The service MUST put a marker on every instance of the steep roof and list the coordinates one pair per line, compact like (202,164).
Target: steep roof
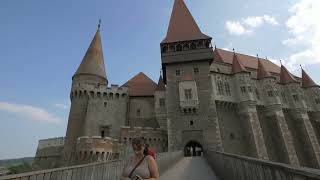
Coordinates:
(93,61)
(237,66)
(286,77)
(262,72)
(307,81)
(182,26)
(160,86)
(225,56)
(141,85)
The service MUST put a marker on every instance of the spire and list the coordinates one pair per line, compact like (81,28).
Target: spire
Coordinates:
(307,81)
(182,26)
(161,86)
(93,61)
(262,72)
(285,76)
(237,66)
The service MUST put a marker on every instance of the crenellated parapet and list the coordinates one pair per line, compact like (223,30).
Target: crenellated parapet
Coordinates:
(155,137)
(97,148)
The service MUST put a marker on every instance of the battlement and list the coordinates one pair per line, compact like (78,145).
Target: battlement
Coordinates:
(51,142)
(108,93)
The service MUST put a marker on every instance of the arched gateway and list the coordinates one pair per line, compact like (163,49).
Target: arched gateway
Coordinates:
(193,148)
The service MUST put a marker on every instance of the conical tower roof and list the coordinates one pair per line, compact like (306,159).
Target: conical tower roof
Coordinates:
(307,81)
(161,86)
(286,77)
(262,72)
(141,85)
(237,66)
(93,61)
(182,26)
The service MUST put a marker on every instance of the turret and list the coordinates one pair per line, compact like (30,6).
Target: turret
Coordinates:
(268,86)
(242,79)
(311,90)
(90,74)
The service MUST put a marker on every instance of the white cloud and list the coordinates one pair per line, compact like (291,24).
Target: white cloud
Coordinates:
(304,27)
(29,112)
(62,106)
(249,24)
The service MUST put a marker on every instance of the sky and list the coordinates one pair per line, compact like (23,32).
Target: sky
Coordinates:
(43,42)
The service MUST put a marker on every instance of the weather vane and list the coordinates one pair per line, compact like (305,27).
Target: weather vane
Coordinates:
(99,24)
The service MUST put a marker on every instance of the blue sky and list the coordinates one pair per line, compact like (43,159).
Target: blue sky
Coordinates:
(43,42)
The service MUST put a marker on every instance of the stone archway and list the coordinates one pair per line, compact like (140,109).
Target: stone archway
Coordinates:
(193,148)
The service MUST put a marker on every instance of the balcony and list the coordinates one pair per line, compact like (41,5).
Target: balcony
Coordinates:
(189,104)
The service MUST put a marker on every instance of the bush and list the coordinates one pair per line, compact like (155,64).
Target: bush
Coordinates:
(21,168)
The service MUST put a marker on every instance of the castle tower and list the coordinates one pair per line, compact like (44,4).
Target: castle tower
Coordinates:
(91,72)
(186,55)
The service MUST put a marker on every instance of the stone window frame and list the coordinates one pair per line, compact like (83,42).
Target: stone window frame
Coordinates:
(250,89)
(178,72)
(220,88)
(227,88)
(295,97)
(270,93)
(162,102)
(188,94)
(243,89)
(138,112)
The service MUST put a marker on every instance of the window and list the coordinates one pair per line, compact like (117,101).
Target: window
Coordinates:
(102,133)
(243,89)
(227,87)
(188,94)
(196,70)
(250,89)
(257,94)
(105,104)
(295,97)
(178,72)
(138,112)
(161,102)
(164,49)
(283,97)
(179,47)
(220,88)
(191,123)
(317,101)
(270,93)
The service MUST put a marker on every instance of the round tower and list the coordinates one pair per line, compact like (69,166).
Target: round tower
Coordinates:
(91,73)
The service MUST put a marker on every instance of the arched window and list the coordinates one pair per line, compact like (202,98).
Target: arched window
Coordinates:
(193,46)
(186,47)
(220,88)
(179,47)
(165,49)
(227,88)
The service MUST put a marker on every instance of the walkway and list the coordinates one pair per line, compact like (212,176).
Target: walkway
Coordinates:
(190,168)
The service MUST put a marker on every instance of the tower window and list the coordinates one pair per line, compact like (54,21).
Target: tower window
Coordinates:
(105,104)
(191,123)
(257,94)
(164,49)
(317,101)
(295,97)
(193,46)
(227,87)
(188,94)
(102,133)
(249,88)
(243,89)
(161,102)
(283,97)
(196,70)
(220,88)
(178,72)
(270,93)
(138,112)
(179,47)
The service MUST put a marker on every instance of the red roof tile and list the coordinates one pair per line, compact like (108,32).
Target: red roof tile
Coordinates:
(237,66)
(141,85)
(286,77)
(262,72)
(224,56)
(307,81)
(161,86)
(182,26)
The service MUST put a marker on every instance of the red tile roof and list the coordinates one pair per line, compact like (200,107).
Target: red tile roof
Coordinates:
(262,72)
(286,77)
(225,56)
(237,65)
(182,26)
(93,61)
(161,86)
(307,81)
(141,85)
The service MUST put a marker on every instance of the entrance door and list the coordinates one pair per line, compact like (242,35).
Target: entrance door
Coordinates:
(193,148)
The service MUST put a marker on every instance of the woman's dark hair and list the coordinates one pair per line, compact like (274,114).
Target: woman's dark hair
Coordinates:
(146,150)
(138,141)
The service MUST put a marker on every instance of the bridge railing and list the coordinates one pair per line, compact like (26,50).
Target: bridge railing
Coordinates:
(95,171)
(235,167)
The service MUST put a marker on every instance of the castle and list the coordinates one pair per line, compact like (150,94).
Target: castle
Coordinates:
(209,97)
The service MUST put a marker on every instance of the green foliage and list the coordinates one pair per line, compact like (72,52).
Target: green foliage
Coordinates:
(21,168)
